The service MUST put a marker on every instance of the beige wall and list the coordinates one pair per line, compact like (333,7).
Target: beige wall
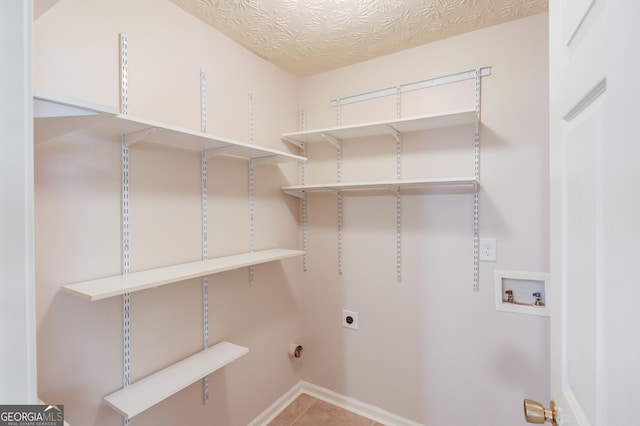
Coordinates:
(431,348)
(426,348)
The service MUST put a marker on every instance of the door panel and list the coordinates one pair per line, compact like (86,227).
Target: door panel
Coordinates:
(577,118)
(573,15)
(582,139)
(595,211)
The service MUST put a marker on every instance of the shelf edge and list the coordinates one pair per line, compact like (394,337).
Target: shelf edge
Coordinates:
(296,138)
(470,182)
(118,284)
(114,399)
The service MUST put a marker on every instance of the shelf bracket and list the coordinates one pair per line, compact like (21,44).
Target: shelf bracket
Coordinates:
(331,139)
(394,132)
(295,142)
(131,138)
(261,160)
(296,193)
(214,152)
(393,188)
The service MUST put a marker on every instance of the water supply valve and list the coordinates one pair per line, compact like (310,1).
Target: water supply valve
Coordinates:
(538,301)
(509,294)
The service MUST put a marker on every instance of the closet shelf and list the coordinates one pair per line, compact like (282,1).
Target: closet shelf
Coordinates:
(446,185)
(134,128)
(136,281)
(55,116)
(134,399)
(401,125)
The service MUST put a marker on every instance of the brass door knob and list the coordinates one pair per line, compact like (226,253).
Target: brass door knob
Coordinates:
(534,412)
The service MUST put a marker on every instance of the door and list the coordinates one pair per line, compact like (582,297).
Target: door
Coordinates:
(595,211)
(17,285)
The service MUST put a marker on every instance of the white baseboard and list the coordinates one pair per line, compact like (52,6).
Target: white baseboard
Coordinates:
(366,410)
(276,408)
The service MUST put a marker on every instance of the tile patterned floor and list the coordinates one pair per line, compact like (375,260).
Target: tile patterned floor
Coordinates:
(308,411)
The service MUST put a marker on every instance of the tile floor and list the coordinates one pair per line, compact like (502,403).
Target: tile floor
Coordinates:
(306,410)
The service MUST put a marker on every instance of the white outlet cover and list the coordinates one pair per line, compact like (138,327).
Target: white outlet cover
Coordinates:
(488,249)
(353,323)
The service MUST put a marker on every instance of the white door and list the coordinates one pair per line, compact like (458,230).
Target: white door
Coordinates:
(18,381)
(595,211)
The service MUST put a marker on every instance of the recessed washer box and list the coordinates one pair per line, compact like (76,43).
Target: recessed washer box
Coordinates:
(522,292)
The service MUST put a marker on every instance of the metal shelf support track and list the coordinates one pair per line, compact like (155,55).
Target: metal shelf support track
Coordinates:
(476,172)
(251,205)
(338,145)
(303,200)
(124,75)
(205,231)
(398,136)
(126,258)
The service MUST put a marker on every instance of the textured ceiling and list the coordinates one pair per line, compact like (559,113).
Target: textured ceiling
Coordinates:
(306,37)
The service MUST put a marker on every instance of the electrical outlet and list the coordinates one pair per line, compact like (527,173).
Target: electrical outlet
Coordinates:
(349,319)
(488,249)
